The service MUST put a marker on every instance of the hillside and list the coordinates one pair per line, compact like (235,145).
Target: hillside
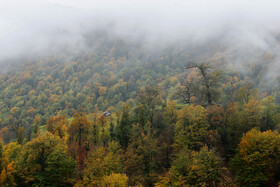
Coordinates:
(173,115)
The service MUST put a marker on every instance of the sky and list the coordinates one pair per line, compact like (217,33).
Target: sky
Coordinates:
(39,26)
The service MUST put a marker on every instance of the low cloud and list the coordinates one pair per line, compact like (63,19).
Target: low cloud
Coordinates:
(47,26)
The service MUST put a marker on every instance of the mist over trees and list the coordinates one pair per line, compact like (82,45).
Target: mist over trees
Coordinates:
(123,115)
(100,94)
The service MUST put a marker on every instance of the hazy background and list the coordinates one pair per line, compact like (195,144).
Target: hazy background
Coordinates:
(33,27)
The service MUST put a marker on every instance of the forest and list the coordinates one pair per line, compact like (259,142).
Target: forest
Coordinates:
(121,114)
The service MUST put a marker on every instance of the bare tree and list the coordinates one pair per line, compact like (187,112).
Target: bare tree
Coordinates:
(211,80)
(189,89)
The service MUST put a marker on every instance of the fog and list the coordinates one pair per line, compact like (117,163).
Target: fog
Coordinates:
(43,27)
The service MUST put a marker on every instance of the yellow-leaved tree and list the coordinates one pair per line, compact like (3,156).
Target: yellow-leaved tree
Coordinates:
(257,160)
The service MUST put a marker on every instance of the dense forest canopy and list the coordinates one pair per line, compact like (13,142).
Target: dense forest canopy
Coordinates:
(112,71)
(174,116)
(168,102)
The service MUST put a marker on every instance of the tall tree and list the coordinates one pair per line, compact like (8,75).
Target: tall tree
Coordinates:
(203,168)
(124,127)
(257,160)
(246,92)
(142,162)
(78,140)
(211,80)
(191,129)
(20,135)
(149,97)
(57,125)
(234,128)
(190,89)
(252,114)
(102,162)
(44,162)
(170,113)
(269,113)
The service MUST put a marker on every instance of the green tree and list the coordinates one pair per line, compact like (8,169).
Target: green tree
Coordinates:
(149,97)
(142,162)
(246,92)
(170,113)
(234,127)
(191,128)
(35,130)
(102,162)
(124,127)
(44,162)
(269,113)
(191,168)
(252,114)
(20,135)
